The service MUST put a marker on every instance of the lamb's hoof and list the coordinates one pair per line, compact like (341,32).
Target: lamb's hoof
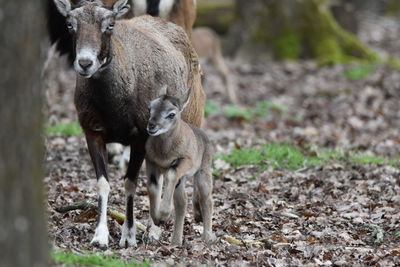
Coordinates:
(176,243)
(154,234)
(128,237)
(208,238)
(100,238)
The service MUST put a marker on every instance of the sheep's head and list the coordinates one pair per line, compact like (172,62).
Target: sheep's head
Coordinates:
(91,24)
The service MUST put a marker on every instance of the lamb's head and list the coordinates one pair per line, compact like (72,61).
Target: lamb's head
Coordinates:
(91,25)
(165,112)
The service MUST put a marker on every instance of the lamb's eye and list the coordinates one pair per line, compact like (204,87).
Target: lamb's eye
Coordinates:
(110,26)
(69,26)
(171,116)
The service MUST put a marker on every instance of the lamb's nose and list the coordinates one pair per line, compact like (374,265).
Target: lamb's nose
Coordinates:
(85,63)
(151,126)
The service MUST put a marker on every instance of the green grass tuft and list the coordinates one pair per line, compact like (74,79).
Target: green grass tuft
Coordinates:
(72,128)
(68,258)
(274,155)
(360,71)
(372,159)
(292,157)
(233,111)
(211,108)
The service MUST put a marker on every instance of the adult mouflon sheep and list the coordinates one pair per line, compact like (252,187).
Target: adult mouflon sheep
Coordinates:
(121,66)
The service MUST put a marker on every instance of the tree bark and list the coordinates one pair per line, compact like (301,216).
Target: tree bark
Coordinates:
(23,237)
(288,29)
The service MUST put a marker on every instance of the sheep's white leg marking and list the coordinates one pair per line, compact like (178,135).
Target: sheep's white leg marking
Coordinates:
(165,8)
(128,229)
(101,233)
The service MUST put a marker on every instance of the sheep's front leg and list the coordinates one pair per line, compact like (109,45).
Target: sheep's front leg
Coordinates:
(172,177)
(128,235)
(154,188)
(98,154)
(180,203)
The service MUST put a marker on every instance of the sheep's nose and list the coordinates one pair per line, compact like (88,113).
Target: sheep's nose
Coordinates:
(85,63)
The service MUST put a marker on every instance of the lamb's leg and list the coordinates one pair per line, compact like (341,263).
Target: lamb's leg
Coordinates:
(98,154)
(172,176)
(128,235)
(180,203)
(203,182)
(154,188)
(196,206)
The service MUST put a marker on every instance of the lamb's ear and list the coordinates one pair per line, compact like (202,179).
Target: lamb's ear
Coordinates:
(63,6)
(120,8)
(186,102)
(163,90)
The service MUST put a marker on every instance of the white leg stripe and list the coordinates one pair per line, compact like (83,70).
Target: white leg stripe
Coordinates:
(104,189)
(103,186)
(101,233)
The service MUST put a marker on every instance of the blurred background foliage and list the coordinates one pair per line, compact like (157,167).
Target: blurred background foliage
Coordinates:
(325,30)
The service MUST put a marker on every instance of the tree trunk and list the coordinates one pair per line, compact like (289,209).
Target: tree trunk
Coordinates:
(218,15)
(23,237)
(288,29)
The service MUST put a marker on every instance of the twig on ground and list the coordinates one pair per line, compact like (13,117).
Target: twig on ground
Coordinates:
(90,210)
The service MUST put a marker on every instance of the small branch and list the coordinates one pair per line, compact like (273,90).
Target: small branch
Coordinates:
(244,242)
(90,210)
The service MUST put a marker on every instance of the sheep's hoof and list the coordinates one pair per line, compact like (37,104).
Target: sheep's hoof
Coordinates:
(100,238)
(128,237)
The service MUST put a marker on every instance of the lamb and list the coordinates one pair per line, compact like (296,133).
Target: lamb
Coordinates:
(120,65)
(178,151)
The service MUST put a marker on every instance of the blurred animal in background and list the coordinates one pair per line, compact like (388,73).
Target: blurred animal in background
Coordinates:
(208,47)
(180,12)
(120,65)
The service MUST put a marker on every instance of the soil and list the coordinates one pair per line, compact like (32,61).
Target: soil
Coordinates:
(339,214)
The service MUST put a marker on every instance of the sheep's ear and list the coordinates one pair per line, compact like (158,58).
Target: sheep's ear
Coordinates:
(120,8)
(63,6)
(163,90)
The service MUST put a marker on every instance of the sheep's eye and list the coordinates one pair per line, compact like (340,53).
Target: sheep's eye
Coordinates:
(171,116)
(110,26)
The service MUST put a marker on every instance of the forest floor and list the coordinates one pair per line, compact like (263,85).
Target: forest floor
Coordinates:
(335,202)
(306,171)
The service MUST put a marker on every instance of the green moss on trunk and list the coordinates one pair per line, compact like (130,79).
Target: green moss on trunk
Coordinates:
(306,28)
(287,45)
(218,15)
(392,7)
